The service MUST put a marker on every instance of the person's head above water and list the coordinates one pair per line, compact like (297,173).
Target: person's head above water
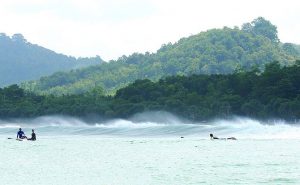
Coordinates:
(211,135)
(20,129)
(33,130)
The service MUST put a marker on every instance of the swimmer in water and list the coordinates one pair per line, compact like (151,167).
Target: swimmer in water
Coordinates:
(212,137)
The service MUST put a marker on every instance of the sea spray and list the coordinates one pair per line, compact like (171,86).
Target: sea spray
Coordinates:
(156,124)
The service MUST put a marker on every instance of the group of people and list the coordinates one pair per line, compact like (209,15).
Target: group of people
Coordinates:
(21,135)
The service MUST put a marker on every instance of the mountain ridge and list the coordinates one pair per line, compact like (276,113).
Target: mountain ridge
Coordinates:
(216,51)
(31,61)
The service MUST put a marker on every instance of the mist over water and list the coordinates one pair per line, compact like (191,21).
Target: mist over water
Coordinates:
(155,124)
(148,149)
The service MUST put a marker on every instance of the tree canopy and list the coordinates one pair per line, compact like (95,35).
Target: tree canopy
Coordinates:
(261,26)
(273,93)
(217,51)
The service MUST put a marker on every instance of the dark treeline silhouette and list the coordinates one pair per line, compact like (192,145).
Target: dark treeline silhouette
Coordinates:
(274,93)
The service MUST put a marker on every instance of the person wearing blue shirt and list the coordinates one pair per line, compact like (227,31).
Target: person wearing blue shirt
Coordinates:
(21,134)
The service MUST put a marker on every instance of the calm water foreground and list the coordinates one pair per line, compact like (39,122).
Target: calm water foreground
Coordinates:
(98,160)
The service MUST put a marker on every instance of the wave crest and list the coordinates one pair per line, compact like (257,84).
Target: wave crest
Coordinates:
(157,124)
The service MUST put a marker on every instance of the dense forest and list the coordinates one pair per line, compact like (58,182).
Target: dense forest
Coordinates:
(274,93)
(217,51)
(30,61)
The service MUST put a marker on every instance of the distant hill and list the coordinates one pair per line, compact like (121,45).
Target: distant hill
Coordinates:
(291,49)
(297,48)
(216,51)
(271,94)
(20,60)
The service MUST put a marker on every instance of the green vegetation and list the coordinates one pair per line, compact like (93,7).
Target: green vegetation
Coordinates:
(273,93)
(291,49)
(21,60)
(217,51)
(297,48)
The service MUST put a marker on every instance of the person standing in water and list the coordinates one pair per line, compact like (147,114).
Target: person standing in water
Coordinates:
(33,136)
(21,134)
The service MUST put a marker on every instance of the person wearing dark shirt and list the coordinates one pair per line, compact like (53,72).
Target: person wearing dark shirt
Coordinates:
(21,134)
(33,136)
(212,137)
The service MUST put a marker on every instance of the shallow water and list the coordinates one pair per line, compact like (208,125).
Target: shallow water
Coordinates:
(139,152)
(129,161)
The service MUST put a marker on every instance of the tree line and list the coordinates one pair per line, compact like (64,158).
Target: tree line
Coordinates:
(273,93)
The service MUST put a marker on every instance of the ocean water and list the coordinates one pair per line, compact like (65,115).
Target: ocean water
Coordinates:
(148,150)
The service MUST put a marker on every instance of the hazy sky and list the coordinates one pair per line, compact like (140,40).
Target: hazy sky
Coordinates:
(111,28)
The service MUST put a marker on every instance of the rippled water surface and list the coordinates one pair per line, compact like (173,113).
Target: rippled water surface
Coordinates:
(96,160)
(140,152)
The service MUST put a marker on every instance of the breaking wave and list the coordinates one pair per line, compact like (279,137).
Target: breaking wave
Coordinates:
(155,124)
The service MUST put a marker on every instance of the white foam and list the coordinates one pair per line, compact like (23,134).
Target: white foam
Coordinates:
(250,128)
(239,127)
(120,123)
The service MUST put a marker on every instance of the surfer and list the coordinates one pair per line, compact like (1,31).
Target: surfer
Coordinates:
(33,136)
(21,134)
(212,137)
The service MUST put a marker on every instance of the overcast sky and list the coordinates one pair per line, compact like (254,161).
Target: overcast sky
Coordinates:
(112,28)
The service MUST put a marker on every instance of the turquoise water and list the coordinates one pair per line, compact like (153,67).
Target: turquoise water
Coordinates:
(69,151)
(117,161)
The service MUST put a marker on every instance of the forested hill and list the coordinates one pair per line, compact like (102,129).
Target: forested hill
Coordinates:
(21,60)
(271,94)
(217,51)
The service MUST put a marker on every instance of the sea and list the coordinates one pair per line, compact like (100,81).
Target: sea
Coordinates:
(154,148)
